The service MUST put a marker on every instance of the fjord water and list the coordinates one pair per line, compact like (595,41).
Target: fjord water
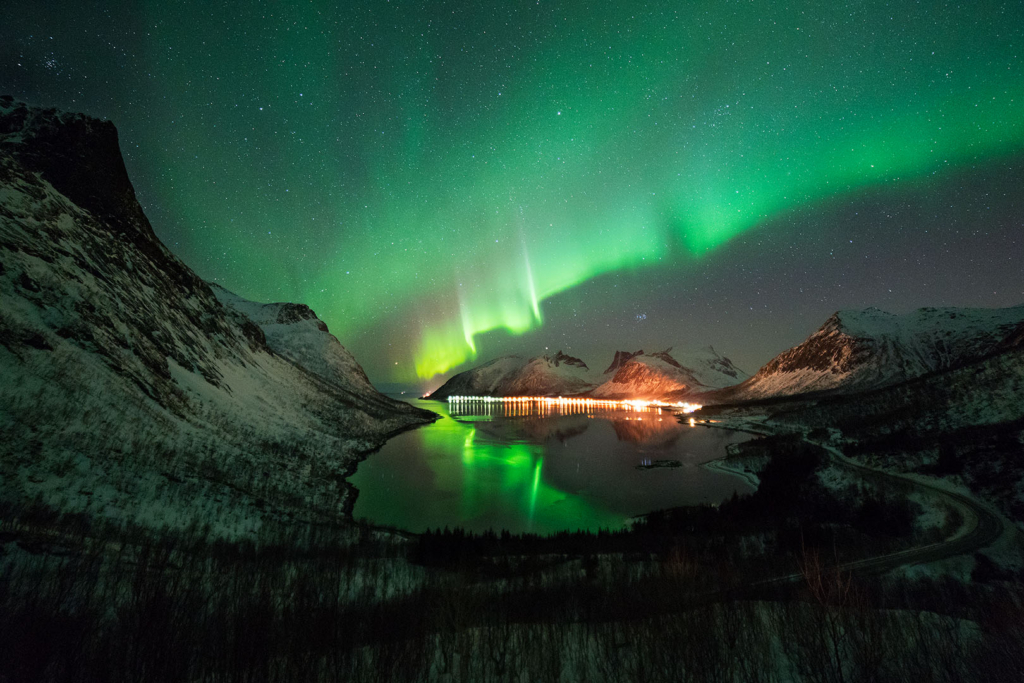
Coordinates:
(531,468)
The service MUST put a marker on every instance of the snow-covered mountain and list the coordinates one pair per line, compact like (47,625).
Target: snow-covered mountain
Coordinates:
(857,350)
(630,375)
(133,390)
(667,374)
(558,375)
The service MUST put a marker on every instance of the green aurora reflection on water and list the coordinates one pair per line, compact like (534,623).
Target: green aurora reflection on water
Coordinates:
(557,473)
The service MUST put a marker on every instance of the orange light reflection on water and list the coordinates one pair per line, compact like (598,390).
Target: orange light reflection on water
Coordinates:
(531,405)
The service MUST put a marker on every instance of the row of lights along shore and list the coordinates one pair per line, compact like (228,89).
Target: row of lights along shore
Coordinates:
(632,403)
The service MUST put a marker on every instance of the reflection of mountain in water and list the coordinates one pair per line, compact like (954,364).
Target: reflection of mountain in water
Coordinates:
(536,430)
(653,432)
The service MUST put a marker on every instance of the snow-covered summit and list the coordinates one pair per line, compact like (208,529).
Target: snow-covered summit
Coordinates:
(620,359)
(667,374)
(869,348)
(630,375)
(558,375)
(709,367)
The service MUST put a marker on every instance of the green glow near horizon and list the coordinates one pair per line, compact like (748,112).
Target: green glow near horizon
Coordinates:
(451,173)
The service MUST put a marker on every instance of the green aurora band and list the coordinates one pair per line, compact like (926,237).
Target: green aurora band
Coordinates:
(454,169)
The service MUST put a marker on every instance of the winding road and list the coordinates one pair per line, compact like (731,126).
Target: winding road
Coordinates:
(981,527)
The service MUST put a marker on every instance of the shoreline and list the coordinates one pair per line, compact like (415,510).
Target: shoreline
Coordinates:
(720,466)
(349,469)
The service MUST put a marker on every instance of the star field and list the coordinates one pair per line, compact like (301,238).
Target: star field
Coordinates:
(445,182)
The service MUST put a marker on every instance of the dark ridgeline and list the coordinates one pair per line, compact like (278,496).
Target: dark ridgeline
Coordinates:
(683,594)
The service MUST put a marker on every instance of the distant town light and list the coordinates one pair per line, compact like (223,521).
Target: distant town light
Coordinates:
(683,406)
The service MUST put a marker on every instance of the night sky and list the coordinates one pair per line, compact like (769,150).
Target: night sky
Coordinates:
(450,181)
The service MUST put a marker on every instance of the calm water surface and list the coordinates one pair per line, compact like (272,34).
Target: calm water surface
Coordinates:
(527,468)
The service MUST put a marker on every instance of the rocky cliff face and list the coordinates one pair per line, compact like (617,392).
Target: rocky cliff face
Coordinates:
(857,350)
(294,332)
(620,359)
(131,388)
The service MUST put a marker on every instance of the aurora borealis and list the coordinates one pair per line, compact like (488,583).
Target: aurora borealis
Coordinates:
(447,181)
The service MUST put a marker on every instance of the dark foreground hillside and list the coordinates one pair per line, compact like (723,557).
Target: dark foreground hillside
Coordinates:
(745,592)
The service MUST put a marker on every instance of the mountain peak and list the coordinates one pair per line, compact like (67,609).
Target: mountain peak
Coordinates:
(560,358)
(153,376)
(664,374)
(664,355)
(80,156)
(281,313)
(861,349)
(620,359)
(558,375)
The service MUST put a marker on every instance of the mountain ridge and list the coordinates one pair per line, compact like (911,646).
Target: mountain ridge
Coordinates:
(515,375)
(630,375)
(856,350)
(130,390)
(660,375)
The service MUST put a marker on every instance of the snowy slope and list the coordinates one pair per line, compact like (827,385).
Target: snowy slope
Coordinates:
(558,375)
(129,390)
(294,331)
(856,350)
(667,374)
(709,367)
